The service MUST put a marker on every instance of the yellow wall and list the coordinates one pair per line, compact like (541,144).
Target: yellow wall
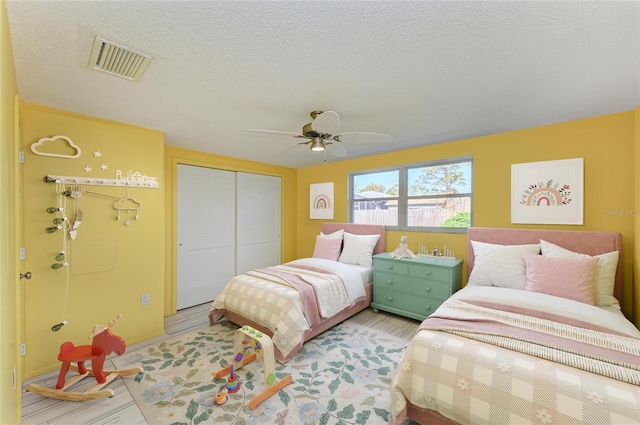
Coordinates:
(111,264)
(604,142)
(175,156)
(9,222)
(636,192)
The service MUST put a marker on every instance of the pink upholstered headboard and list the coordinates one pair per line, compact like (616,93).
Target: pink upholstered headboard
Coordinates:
(585,242)
(359,229)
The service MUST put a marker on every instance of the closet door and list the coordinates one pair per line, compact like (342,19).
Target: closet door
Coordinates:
(259,221)
(206,216)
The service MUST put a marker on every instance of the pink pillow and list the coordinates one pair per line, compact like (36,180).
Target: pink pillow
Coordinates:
(328,248)
(571,278)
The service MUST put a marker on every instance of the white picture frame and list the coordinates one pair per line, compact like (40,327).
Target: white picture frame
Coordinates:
(321,201)
(548,192)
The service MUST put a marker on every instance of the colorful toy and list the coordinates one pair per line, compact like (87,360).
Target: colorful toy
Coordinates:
(263,347)
(221,397)
(233,385)
(104,343)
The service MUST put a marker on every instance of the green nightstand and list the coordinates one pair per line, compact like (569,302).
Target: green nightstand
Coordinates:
(413,287)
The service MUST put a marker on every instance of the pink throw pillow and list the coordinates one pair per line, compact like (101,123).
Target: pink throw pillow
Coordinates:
(328,248)
(571,278)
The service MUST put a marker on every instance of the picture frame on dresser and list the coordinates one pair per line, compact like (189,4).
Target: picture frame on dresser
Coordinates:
(413,287)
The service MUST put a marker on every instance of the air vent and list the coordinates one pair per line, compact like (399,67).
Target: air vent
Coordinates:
(117,60)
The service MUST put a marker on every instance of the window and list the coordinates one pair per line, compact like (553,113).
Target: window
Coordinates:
(432,196)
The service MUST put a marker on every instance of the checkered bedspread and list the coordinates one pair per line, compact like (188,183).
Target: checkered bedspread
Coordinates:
(277,305)
(474,382)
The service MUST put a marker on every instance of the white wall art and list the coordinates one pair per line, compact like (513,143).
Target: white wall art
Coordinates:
(35,147)
(548,192)
(321,200)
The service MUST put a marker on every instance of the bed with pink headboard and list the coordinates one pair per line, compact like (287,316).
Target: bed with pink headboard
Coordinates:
(457,372)
(257,300)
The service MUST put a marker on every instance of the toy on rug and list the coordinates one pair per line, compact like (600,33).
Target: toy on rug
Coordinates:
(263,347)
(233,385)
(104,342)
(221,397)
(403,251)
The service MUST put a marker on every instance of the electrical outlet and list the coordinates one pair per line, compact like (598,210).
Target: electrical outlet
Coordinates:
(23,349)
(145,299)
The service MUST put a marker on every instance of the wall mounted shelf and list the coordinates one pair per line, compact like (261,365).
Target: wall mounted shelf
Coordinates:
(97,181)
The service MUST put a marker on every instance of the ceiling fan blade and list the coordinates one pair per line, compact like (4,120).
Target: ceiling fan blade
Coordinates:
(294,146)
(360,137)
(326,123)
(274,133)
(335,149)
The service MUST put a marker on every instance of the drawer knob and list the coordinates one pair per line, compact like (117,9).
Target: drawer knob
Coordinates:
(427,307)
(390,266)
(427,289)
(427,272)
(390,282)
(390,298)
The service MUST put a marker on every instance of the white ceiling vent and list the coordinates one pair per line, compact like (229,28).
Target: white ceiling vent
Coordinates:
(117,60)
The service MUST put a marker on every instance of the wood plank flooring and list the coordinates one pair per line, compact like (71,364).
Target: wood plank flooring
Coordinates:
(121,409)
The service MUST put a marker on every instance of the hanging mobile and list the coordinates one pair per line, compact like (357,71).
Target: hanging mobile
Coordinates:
(61,223)
(123,204)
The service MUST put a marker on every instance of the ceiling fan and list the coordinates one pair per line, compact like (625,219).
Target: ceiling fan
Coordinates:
(320,135)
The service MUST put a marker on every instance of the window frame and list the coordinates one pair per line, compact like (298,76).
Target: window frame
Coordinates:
(403,196)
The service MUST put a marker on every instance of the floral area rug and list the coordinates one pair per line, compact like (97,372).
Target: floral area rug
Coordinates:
(340,377)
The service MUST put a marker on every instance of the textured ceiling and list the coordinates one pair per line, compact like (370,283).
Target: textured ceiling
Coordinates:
(424,72)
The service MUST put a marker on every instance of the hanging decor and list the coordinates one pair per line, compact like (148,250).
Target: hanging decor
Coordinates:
(321,201)
(548,192)
(128,205)
(61,222)
(35,147)
(130,179)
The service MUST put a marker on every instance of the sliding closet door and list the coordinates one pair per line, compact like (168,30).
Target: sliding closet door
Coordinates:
(259,221)
(206,215)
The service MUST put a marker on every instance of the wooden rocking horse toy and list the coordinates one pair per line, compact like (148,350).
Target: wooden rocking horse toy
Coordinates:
(104,343)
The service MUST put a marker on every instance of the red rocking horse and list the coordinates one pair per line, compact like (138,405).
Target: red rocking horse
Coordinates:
(104,343)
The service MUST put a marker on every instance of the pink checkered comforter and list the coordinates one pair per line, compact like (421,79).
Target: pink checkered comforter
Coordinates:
(464,376)
(275,303)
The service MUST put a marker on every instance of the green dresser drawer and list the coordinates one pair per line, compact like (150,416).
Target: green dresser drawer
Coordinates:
(421,306)
(426,288)
(425,271)
(396,267)
(388,280)
(413,286)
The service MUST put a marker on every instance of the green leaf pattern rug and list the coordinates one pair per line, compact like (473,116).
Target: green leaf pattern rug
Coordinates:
(342,376)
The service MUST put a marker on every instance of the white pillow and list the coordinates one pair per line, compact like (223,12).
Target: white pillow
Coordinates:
(358,249)
(605,277)
(500,265)
(335,235)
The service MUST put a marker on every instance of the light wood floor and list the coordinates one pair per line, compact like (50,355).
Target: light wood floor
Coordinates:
(121,409)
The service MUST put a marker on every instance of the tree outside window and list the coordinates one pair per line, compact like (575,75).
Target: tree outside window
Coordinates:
(434,196)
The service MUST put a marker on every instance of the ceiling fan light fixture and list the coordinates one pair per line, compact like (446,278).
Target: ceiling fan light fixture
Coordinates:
(320,135)
(317,144)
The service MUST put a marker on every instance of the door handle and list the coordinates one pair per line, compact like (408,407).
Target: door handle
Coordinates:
(27,275)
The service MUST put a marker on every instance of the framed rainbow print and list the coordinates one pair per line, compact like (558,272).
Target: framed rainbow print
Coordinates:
(548,192)
(321,197)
